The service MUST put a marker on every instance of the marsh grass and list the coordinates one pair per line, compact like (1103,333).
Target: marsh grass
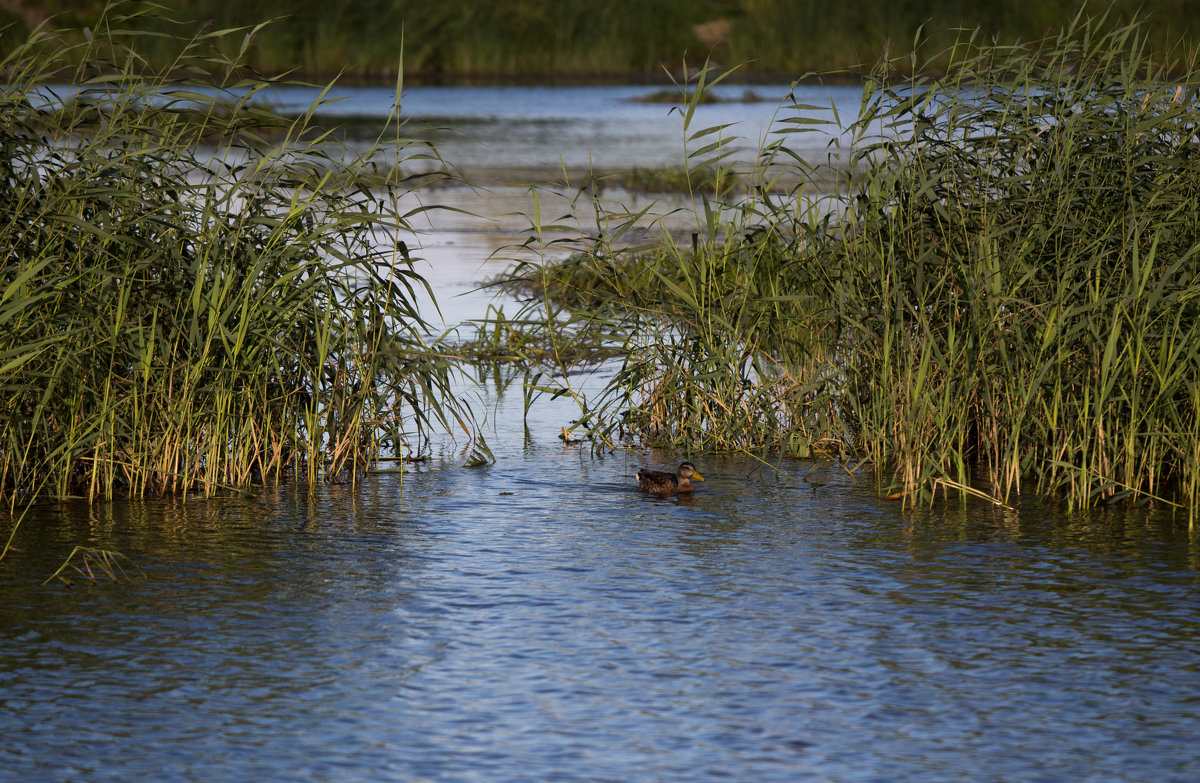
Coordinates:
(1003,298)
(194,293)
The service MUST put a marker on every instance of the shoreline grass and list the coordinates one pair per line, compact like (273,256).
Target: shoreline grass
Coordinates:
(194,294)
(1006,295)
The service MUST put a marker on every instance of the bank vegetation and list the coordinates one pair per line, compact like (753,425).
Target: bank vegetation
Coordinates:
(1003,299)
(192,298)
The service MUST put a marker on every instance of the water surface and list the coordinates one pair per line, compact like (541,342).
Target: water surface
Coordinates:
(541,619)
(513,134)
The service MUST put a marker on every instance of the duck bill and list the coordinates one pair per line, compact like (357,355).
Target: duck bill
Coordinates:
(697,476)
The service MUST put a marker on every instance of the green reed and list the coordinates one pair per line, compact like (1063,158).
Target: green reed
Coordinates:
(1024,271)
(194,294)
(1003,297)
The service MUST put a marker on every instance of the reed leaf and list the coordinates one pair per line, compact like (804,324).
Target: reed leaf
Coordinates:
(1002,295)
(188,297)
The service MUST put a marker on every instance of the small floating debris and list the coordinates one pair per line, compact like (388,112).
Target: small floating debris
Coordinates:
(506,493)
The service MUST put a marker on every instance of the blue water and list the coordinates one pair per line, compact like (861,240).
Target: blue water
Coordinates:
(542,620)
(507,133)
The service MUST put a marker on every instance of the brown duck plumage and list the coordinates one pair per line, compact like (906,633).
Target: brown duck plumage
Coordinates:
(662,481)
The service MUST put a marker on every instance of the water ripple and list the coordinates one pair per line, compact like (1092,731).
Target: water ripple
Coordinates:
(447,632)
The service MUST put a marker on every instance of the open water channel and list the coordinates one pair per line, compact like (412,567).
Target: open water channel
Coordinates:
(539,619)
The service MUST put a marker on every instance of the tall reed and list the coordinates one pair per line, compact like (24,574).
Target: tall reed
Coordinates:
(1024,274)
(191,296)
(1004,296)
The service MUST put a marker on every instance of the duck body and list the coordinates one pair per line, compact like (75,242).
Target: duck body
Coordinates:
(665,482)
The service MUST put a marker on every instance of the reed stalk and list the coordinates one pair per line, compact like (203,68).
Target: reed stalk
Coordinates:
(189,297)
(1003,297)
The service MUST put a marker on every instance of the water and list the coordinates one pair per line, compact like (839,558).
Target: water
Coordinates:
(541,619)
(501,138)
(517,133)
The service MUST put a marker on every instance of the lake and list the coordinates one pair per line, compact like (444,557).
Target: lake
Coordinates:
(541,619)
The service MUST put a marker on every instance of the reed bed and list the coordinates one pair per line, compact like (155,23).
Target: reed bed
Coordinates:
(1004,297)
(191,295)
(618,38)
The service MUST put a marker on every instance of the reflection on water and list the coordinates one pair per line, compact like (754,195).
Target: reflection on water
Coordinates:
(476,234)
(512,134)
(540,619)
(502,138)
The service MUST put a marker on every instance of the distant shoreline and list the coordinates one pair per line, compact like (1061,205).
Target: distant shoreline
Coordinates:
(633,78)
(616,42)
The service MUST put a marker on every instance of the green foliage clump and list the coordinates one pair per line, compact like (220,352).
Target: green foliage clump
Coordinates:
(185,299)
(1023,273)
(1004,294)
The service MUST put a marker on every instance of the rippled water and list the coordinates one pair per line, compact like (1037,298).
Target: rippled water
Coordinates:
(542,620)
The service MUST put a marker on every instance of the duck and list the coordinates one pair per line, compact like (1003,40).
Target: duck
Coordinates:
(663,481)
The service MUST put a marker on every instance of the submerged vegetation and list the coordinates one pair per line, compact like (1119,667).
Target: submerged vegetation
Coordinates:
(1005,297)
(191,296)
